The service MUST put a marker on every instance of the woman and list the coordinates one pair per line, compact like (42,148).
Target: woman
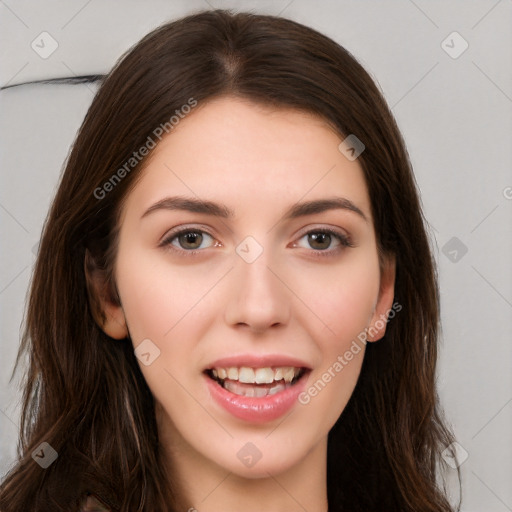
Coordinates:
(234,303)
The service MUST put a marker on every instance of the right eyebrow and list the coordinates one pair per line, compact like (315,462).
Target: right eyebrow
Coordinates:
(191,205)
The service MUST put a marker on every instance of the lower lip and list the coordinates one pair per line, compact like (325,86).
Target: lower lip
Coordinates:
(256,410)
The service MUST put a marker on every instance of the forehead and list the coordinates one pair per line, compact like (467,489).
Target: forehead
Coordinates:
(237,152)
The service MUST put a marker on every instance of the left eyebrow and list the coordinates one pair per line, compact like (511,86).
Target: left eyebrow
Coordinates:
(322,205)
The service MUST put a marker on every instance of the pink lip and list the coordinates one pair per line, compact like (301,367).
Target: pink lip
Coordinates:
(257,361)
(256,410)
(252,409)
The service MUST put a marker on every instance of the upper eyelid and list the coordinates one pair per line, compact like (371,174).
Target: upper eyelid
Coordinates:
(169,237)
(178,230)
(323,227)
(342,234)
(206,229)
(343,239)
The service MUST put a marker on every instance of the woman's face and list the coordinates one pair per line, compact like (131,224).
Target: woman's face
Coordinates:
(247,259)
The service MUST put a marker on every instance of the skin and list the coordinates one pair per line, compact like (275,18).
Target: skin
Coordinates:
(196,308)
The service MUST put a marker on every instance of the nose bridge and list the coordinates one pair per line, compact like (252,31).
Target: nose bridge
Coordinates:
(258,298)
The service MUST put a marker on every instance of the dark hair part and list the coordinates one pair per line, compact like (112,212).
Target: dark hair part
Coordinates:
(85,394)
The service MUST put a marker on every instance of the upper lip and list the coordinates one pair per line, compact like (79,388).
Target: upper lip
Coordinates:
(258,361)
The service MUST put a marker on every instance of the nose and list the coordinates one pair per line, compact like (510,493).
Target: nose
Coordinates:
(258,297)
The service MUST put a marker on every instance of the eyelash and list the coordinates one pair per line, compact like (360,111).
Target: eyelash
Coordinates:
(166,242)
(343,240)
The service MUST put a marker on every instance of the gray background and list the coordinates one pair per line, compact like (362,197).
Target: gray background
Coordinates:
(456,117)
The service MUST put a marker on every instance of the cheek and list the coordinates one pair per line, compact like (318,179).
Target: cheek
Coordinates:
(169,306)
(174,308)
(159,297)
(342,298)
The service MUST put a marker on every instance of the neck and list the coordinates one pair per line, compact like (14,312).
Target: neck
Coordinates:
(202,485)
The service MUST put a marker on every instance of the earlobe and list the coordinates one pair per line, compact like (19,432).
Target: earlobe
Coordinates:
(377,327)
(115,323)
(106,310)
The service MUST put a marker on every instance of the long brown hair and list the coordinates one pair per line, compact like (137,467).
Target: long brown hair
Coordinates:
(85,395)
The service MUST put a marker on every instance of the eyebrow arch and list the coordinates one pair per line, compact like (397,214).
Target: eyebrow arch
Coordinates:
(190,205)
(211,208)
(322,205)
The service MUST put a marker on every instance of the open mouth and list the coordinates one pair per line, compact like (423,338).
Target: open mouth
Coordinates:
(256,382)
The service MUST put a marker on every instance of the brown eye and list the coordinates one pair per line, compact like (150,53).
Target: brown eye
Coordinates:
(190,240)
(320,241)
(324,241)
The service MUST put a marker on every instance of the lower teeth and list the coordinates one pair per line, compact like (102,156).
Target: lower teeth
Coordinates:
(253,391)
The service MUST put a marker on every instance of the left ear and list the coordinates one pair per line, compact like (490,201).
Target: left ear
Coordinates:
(378,322)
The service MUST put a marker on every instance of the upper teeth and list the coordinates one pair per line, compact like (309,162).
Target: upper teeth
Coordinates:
(257,375)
